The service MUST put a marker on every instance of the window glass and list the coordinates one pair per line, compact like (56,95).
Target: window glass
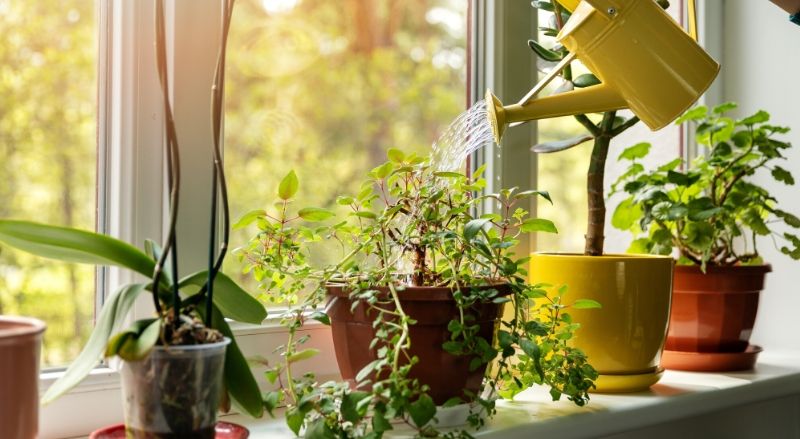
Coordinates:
(326,87)
(48,57)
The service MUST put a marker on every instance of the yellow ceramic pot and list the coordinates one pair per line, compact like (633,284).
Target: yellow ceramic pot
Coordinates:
(624,339)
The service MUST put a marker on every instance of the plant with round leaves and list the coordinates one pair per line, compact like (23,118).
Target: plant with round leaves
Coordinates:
(411,226)
(710,213)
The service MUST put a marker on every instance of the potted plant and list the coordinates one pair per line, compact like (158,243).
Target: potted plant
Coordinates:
(710,217)
(173,362)
(415,303)
(20,348)
(624,346)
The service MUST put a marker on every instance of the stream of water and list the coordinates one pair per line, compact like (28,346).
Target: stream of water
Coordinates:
(469,131)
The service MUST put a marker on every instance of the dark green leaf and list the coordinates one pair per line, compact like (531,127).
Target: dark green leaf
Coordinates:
(294,419)
(74,245)
(472,228)
(234,302)
(288,186)
(787,217)
(783,175)
(422,410)
(321,317)
(560,145)
(585,80)
(543,53)
(701,209)
(352,411)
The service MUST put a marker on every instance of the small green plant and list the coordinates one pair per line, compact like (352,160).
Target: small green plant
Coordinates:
(710,213)
(411,226)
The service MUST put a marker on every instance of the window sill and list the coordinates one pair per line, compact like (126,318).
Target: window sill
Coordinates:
(678,398)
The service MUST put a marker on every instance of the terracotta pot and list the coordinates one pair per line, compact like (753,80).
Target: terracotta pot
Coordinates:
(715,311)
(433,308)
(20,348)
(625,338)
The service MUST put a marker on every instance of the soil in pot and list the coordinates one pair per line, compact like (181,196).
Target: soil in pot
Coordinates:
(174,392)
(433,308)
(20,348)
(714,311)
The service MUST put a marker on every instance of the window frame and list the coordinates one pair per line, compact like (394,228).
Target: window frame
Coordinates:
(131,169)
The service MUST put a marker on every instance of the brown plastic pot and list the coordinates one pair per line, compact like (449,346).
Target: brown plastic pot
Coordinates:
(714,311)
(20,347)
(433,308)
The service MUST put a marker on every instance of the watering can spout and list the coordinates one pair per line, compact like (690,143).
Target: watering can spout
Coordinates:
(595,99)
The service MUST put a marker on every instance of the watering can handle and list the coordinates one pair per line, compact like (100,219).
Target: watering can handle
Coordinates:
(606,6)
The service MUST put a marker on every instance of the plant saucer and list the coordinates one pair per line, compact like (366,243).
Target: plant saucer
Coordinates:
(224,430)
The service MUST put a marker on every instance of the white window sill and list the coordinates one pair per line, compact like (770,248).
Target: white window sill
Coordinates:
(678,398)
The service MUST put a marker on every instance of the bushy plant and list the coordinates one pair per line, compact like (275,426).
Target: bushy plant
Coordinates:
(411,226)
(710,213)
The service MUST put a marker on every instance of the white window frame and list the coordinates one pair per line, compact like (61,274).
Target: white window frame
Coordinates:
(132,203)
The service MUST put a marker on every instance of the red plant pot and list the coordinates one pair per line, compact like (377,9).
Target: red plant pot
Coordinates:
(433,308)
(714,311)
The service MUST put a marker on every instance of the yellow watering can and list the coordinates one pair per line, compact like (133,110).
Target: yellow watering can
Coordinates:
(644,60)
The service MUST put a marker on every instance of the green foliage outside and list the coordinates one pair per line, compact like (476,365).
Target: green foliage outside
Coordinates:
(711,213)
(48,62)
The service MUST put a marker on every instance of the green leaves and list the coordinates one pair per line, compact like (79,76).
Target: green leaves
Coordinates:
(586,304)
(354,406)
(314,214)
(472,228)
(626,214)
(538,225)
(111,317)
(638,151)
(136,342)
(288,186)
(249,218)
(422,410)
(74,245)
(695,114)
(760,116)
(234,302)
(585,80)
(544,53)
(782,175)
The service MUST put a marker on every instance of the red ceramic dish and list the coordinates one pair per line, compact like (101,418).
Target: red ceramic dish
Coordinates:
(711,361)
(225,430)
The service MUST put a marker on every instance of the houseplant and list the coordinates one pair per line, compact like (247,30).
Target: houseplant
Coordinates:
(173,363)
(625,347)
(710,217)
(419,286)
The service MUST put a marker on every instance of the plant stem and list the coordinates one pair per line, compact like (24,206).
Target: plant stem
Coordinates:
(594,187)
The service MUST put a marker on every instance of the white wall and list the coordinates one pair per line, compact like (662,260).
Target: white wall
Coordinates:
(761,70)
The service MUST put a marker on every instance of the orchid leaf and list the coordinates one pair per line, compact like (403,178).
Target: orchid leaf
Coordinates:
(234,302)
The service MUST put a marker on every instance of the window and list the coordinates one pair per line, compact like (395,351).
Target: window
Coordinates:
(326,87)
(48,64)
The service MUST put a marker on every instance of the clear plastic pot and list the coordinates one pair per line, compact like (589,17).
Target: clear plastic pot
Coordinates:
(174,392)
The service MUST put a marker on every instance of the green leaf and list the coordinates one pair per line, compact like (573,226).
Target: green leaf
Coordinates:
(585,80)
(695,114)
(321,317)
(382,171)
(294,419)
(152,249)
(319,430)
(788,218)
(74,245)
(239,380)
(111,317)
(761,116)
(542,52)
(314,214)
(422,410)
(671,165)
(681,179)
(396,155)
(668,211)
(560,145)
(365,214)
(351,410)
(701,209)
(305,354)
(380,423)
(538,225)
(234,302)
(638,151)
(639,246)
(249,218)
(626,214)
(783,175)
(344,201)
(586,304)
(448,174)
(504,338)
(271,400)
(136,342)
(288,186)
(724,107)
(472,228)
